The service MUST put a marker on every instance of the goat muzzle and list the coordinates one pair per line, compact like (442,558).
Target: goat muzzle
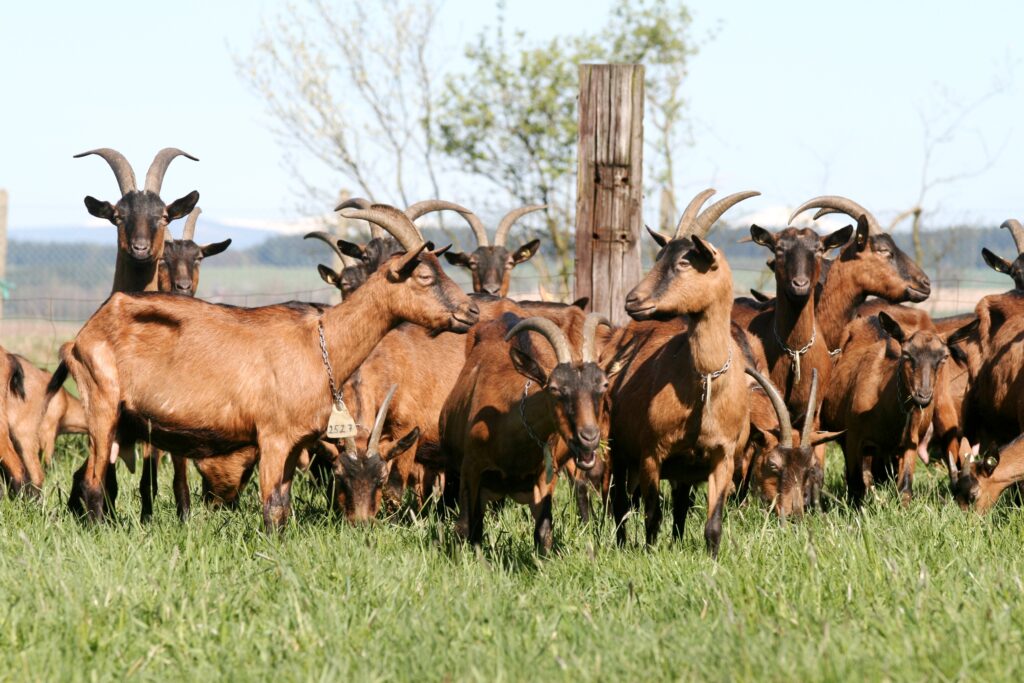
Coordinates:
(465,317)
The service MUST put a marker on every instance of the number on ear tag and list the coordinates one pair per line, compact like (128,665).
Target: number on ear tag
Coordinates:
(341,425)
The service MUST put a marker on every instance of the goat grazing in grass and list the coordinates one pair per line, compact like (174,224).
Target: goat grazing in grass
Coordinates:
(12,390)
(199,379)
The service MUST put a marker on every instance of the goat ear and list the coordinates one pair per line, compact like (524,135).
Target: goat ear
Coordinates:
(581,303)
(328,275)
(215,248)
(439,252)
(660,239)
(759,295)
(996,262)
(824,437)
(963,333)
(863,233)
(526,366)
(761,236)
(525,252)
(100,209)
(406,263)
(838,238)
(402,445)
(458,258)
(182,207)
(705,249)
(891,327)
(356,251)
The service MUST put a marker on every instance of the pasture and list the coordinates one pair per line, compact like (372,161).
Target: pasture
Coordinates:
(922,593)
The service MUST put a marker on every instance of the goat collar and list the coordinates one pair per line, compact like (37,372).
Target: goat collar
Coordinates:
(705,379)
(549,464)
(795,354)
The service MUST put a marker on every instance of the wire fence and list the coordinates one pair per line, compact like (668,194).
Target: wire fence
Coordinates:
(56,288)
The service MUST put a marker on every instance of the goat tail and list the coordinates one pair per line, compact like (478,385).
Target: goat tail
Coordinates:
(60,375)
(17,382)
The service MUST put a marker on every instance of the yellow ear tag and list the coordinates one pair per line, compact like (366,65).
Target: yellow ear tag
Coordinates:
(341,425)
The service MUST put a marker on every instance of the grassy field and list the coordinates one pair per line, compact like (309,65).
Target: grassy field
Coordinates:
(925,593)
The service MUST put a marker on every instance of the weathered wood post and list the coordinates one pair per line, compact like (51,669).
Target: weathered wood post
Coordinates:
(609,185)
(3,244)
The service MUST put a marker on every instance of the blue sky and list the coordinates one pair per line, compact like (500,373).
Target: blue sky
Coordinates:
(790,98)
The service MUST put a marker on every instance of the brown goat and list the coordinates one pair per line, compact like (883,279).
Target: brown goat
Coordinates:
(888,384)
(178,274)
(491,265)
(200,379)
(980,481)
(12,390)
(518,412)
(680,408)
(34,424)
(141,218)
(785,475)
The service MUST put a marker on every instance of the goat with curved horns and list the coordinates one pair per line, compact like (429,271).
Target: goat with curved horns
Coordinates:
(140,216)
(359,260)
(492,264)
(1014,269)
(201,379)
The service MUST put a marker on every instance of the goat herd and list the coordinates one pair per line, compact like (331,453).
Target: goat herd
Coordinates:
(410,385)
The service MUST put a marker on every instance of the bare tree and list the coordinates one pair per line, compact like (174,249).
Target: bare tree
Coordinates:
(942,125)
(351,84)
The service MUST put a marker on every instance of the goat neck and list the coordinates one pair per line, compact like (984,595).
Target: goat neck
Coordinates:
(840,298)
(131,276)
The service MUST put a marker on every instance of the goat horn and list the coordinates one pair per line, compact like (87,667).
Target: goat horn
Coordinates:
(392,220)
(838,205)
(163,158)
(1017,230)
(327,238)
(118,164)
(690,213)
(708,216)
(953,472)
(785,425)
(420,209)
(590,325)
(362,204)
(805,435)
(378,423)
(189,233)
(501,234)
(552,332)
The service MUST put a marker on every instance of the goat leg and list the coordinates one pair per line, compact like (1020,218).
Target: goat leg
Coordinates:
(149,483)
(620,498)
(182,499)
(682,501)
(718,487)
(542,534)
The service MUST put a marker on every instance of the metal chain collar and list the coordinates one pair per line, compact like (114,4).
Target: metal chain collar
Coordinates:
(705,380)
(795,355)
(335,392)
(522,415)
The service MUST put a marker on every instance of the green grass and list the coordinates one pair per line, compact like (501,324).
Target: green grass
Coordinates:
(925,593)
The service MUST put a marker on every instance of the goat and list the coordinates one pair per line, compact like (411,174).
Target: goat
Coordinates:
(870,265)
(491,265)
(35,423)
(359,260)
(140,216)
(887,386)
(787,332)
(12,390)
(1014,269)
(199,379)
(980,481)
(178,274)
(786,474)
(501,433)
(679,410)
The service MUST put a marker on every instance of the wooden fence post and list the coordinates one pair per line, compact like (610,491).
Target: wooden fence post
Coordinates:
(3,243)
(609,185)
